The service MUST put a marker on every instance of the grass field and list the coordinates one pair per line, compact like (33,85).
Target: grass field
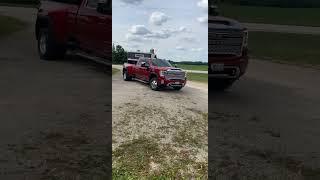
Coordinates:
(292,48)
(272,15)
(9,25)
(193,67)
(203,78)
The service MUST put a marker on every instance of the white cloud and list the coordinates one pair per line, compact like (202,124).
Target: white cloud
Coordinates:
(135,2)
(196,49)
(159,35)
(182,29)
(136,38)
(203,4)
(203,19)
(188,39)
(139,30)
(180,48)
(158,18)
(140,33)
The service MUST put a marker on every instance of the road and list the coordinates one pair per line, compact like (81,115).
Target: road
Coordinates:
(55,115)
(282,28)
(267,123)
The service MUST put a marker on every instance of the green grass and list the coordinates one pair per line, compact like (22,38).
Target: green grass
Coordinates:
(203,78)
(272,15)
(9,25)
(114,71)
(285,47)
(193,67)
(133,160)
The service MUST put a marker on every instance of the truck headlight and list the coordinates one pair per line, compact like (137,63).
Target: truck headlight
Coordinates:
(245,38)
(161,73)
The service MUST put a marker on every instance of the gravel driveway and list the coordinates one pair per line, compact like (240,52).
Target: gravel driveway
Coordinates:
(174,122)
(267,125)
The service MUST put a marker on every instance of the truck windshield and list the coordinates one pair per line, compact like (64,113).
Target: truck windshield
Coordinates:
(161,63)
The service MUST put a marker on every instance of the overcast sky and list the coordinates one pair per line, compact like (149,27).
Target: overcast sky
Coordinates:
(176,29)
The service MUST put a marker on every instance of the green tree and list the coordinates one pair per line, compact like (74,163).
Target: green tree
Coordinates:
(119,55)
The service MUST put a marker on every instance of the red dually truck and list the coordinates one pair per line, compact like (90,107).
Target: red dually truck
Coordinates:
(228,50)
(79,25)
(158,73)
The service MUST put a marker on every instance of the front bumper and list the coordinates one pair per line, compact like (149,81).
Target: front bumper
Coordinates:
(233,67)
(172,82)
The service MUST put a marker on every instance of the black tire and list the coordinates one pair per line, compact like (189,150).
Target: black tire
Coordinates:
(154,84)
(221,84)
(126,76)
(177,88)
(47,47)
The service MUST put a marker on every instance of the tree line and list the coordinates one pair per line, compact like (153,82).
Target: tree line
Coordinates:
(119,55)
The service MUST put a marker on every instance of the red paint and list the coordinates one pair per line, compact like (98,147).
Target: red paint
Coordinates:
(145,74)
(79,24)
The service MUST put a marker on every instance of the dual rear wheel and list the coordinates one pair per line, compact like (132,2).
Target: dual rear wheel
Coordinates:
(48,48)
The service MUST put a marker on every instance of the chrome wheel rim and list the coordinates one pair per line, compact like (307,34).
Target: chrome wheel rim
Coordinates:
(154,84)
(43,44)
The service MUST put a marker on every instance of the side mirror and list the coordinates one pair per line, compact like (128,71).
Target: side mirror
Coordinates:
(145,65)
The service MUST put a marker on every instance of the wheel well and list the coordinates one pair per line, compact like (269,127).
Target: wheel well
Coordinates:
(152,76)
(41,23)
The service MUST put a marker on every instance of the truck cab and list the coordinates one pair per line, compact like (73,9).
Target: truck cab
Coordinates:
(228,50)
(81,25)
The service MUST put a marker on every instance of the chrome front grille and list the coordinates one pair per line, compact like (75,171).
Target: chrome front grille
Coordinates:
(228,42)
(174,74)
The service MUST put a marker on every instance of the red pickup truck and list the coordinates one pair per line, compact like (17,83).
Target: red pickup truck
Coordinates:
(80,25)
(228,50)
(157,73)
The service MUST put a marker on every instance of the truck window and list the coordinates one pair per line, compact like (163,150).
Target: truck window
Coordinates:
(143,61)
(93,3)
(161,63)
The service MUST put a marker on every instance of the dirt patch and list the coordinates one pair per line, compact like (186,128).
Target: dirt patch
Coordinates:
(143,158)
(159,141)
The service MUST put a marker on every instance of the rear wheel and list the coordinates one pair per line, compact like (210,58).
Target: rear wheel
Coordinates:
(47,47)
(154,84)
(126,76)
